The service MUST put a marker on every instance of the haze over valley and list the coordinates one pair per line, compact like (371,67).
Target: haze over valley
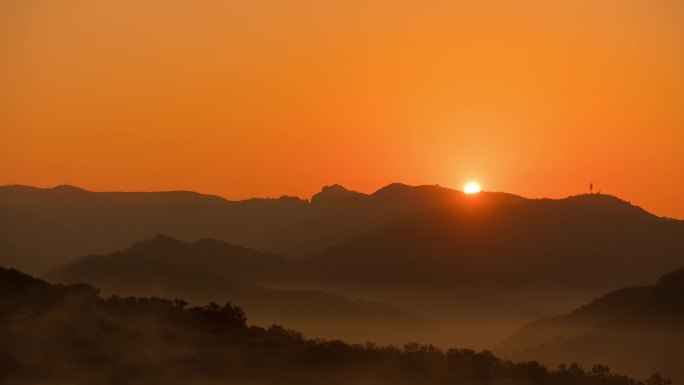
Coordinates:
(341,192)
(406,263)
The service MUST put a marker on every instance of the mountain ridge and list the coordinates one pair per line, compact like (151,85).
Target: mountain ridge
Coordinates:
(63,222)
(506,241)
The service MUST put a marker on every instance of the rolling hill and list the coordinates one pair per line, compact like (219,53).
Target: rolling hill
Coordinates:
(213,271)
(634,330)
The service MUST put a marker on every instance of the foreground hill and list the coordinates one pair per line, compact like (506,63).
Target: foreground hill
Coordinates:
(60,223)
(635,330)
(209,270)
(68,334)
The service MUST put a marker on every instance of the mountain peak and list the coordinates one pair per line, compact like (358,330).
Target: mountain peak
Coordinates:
(68,187)
(160,243)
(607,203)
(394,190)
(335,192)
(335,188)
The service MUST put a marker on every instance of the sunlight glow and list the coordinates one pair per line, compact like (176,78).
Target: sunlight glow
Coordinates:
(471,188)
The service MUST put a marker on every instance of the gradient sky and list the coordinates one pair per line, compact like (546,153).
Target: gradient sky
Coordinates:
(265,98)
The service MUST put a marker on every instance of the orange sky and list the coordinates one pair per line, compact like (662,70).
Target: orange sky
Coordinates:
(265,98)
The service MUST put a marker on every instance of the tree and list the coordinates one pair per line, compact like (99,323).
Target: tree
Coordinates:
(600,370)
(658,379)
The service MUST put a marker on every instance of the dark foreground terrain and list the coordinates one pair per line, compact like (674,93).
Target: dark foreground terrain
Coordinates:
(54,334)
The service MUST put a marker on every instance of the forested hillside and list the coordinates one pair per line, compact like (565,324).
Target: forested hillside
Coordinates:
(66,334)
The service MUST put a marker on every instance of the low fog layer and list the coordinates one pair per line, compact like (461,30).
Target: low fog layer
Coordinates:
(635,330)
(57,334)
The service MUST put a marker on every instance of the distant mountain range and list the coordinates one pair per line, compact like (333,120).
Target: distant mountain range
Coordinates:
(422,253)
(634,330)
(57,224)
(487,240)
(399,234)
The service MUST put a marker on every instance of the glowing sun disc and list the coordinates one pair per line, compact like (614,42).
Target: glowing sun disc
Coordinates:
(471,188)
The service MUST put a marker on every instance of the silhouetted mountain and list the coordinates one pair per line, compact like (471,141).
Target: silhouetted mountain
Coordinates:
(500,260)
(337,194)
(635,330)
(580,241)
(205,256)
(209,270)
(63,222)
(68,334)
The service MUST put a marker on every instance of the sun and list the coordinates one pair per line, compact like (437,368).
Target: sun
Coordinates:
(471,188)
